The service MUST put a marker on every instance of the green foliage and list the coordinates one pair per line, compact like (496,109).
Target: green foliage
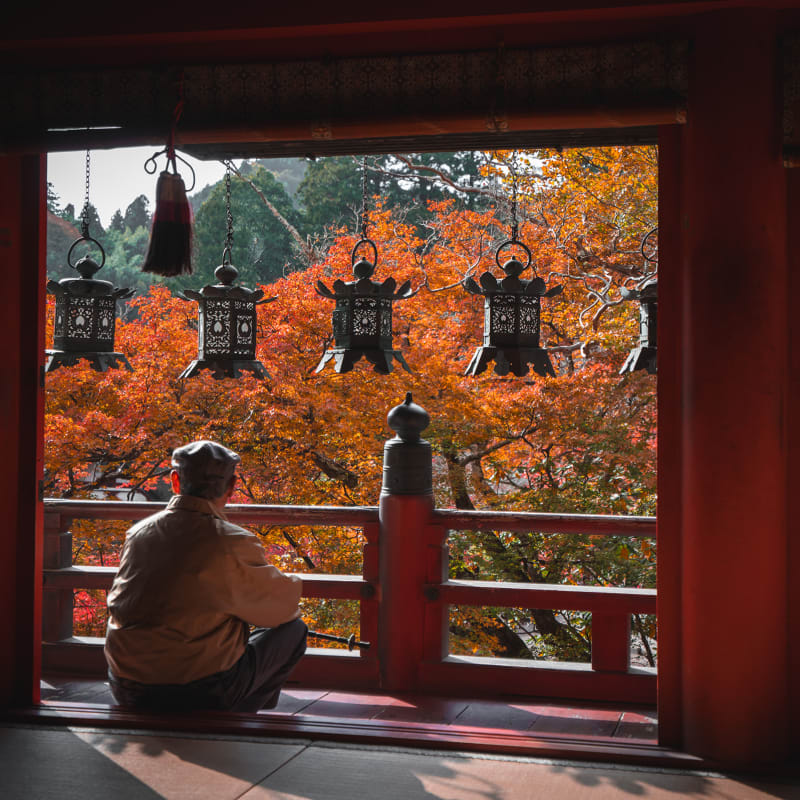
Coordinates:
(68,213)
(53,200)
(60,235)
(427,181)
(262,246)
(330,194)
(125,252)
(96,229)
(197,198)
(117,222)
(137,214)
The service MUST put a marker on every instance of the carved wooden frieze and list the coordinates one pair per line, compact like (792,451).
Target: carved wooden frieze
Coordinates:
(790,49)
(318,99)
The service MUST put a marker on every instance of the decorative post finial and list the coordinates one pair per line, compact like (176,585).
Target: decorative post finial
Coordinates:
(408,420)
(407,458)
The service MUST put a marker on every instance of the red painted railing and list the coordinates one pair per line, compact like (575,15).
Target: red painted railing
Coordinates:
(432,669)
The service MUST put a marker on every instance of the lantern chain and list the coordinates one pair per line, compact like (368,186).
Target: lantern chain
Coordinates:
(85,211)
(514,222)
(228,214)
(363,222)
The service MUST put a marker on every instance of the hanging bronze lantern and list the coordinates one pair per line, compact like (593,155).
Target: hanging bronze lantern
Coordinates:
(226,317)
(512,318)
(362,317)
(85,316)
(86,309)
(226,326)
(645,355)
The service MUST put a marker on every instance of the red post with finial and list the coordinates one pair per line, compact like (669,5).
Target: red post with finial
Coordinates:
(405,512)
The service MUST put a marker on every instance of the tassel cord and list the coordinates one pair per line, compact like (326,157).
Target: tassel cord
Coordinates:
(177,113)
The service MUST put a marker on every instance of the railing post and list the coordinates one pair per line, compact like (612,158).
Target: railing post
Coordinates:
(437,612)
(369,606)
(611,642)
(405,513)
(57,604)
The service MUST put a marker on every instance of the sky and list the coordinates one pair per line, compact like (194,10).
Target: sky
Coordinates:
(117,177)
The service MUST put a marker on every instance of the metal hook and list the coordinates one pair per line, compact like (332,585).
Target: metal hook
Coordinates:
(516,243)
(151,165)
(87,239)
(354,252)
(644,245)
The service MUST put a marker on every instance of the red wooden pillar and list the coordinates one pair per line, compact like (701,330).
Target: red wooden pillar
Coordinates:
(405,511)
(733,382)
(793,416)
(23,246)
(670,415)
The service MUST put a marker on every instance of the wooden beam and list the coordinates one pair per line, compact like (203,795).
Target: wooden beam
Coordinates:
(522,522)
(338,587)
(400,94)
(487,677)
(605,599)
(345,516)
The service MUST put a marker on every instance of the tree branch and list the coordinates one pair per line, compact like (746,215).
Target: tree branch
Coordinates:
(308,250)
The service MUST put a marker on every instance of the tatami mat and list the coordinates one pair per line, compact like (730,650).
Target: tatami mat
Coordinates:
(82,764)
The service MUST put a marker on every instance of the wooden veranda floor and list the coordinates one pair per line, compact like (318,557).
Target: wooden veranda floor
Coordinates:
(520,726)
(521,716)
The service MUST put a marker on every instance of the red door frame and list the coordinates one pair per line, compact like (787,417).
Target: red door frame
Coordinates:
(724,405)
(724,390)
(22,299)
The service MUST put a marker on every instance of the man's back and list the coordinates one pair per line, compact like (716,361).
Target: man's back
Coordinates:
(188,584)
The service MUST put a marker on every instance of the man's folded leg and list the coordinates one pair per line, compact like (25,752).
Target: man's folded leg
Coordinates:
(270,656)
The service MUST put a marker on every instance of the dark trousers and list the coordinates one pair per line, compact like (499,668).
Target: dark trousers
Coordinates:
(252,683)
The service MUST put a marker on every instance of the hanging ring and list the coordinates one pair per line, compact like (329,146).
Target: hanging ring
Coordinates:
(358,244)
(85,239)
(150,166)
(509,243)
(650,233)
(226,255)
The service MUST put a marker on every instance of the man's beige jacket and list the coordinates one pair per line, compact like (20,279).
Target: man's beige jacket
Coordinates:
(189,582)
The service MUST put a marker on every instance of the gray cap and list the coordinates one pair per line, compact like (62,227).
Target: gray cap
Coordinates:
(205,468)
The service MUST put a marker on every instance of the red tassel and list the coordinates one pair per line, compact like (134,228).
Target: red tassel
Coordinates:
(170,250)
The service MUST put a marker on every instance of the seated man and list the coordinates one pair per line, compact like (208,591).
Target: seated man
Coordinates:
(189,582)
